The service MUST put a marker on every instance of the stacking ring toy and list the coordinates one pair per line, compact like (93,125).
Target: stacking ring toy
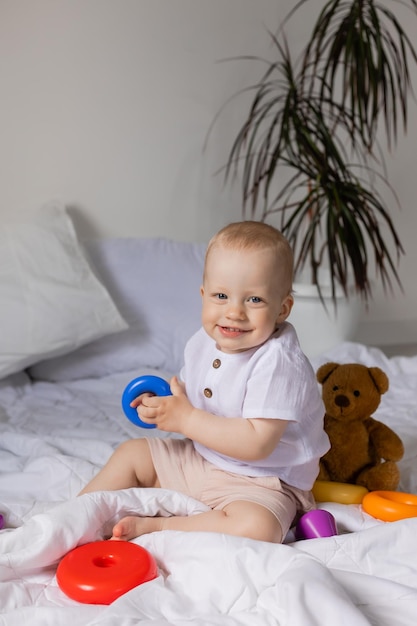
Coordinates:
(100,572)
(343,493)
(144,384)
(390,506)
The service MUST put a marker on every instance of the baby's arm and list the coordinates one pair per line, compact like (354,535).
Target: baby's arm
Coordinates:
(244,439)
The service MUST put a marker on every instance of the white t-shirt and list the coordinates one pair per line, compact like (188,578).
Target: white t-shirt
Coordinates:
(275,381)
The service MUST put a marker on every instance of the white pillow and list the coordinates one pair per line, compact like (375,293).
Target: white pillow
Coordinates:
(156,284)
(50,300)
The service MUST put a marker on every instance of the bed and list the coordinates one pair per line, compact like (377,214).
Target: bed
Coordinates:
(81,320)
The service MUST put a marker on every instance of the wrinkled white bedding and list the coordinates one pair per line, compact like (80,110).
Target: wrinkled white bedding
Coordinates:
(54,436)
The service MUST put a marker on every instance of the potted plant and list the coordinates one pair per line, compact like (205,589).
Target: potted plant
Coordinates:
(308,151)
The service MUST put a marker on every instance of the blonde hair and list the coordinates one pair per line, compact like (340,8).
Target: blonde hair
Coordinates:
(251,235)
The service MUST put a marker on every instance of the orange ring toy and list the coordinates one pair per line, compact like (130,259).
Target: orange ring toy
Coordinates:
(390,506)
(100,572)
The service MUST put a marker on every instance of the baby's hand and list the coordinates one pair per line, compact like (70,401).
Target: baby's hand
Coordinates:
(177,386)
(139,399)
(169,413)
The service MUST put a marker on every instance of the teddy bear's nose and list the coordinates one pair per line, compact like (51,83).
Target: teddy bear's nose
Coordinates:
(341,401)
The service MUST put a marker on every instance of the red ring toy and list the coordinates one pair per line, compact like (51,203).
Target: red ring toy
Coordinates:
(100,572)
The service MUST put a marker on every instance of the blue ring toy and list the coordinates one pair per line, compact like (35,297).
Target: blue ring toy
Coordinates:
(143,384)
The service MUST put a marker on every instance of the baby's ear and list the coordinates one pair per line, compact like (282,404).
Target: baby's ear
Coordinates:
(286,307)
(201,291)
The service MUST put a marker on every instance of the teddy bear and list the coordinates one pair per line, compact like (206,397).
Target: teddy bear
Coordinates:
(363,450)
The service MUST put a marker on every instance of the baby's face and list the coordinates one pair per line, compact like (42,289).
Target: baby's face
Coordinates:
(245,297)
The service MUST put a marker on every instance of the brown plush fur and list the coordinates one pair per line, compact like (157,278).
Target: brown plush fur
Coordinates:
(363,450)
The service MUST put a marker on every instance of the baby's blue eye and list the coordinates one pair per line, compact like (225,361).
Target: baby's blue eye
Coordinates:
(221,296)
(255,299)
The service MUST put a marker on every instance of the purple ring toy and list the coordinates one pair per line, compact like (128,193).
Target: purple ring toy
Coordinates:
(315,524)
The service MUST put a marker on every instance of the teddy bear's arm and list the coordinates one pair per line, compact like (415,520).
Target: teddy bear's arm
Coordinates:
(387,444)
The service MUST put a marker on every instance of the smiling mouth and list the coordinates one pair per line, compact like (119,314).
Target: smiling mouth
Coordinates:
(232,331)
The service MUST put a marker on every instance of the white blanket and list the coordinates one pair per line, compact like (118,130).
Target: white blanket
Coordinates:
(367,577)
(54,437)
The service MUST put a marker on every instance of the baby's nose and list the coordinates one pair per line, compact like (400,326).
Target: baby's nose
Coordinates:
(235,311)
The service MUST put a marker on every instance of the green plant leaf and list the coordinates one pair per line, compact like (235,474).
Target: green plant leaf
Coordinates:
(308,152)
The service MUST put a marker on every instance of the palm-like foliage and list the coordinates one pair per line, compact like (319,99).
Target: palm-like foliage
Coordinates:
(308,149)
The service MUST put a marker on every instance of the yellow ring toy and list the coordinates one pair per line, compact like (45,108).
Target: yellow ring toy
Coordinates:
(390,506)
(343,493)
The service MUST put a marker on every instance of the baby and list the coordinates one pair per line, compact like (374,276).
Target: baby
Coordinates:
(247,404)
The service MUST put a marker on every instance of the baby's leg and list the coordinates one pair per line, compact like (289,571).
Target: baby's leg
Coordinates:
(130,465)
(240,518)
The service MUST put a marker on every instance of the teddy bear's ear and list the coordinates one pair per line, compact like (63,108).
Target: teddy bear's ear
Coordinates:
(380,379)
(325,370)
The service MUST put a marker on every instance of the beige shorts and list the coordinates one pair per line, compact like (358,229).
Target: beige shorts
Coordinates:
(181,468)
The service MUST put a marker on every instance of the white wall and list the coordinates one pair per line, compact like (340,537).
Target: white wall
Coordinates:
(105,104)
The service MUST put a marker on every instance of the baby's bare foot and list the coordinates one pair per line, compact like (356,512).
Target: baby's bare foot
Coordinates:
(131,527)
